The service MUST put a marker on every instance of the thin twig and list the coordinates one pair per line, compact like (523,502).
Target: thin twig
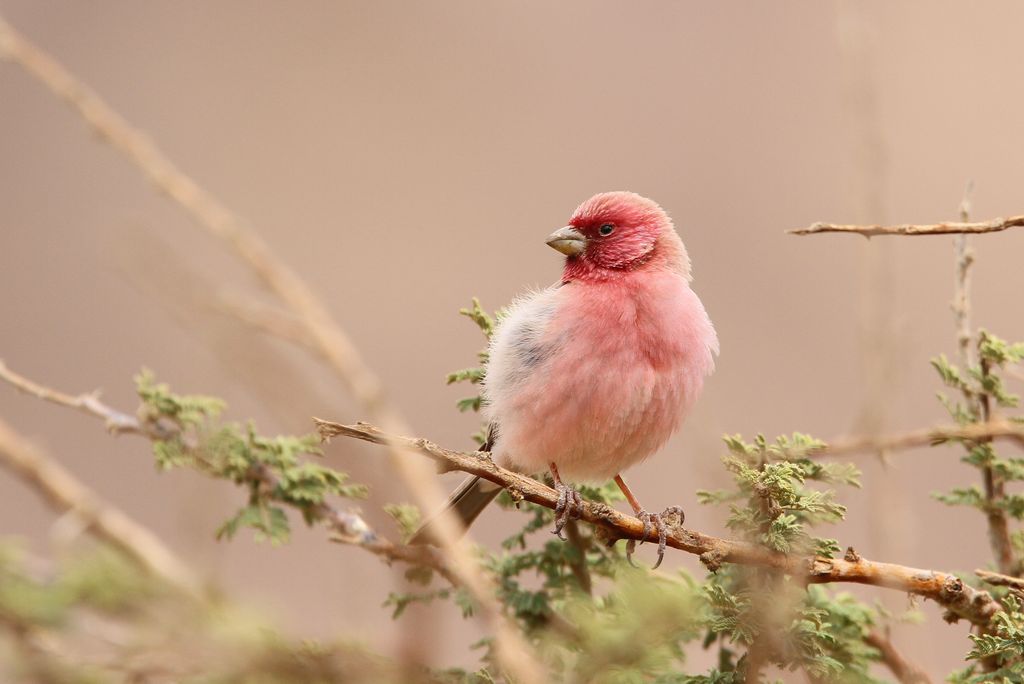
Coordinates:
(66,493)
(960,599)
(999,579)
(949,228)
(331,342)
(905,671)
(89,402)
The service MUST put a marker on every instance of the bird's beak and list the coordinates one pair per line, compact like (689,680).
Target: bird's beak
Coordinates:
(568,241)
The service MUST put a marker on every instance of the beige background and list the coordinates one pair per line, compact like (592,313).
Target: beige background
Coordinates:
(405,156)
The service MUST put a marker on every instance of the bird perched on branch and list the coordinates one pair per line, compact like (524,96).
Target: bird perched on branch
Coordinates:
(592,375)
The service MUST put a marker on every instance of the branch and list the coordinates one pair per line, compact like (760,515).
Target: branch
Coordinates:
(995,486)
(267,319)
(999,580)
(995,429)
(89,403)
(904,670)
(950,228)
(65,493)
(961,304)
(961,600)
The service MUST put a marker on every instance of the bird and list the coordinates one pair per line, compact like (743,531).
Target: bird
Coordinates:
(592,375)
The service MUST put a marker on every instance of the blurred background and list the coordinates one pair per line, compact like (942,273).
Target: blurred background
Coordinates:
(404,157)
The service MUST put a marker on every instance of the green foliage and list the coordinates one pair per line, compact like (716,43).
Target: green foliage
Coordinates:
(982,388)
(773,503)
(475,374)
(564,569)
(848,621)
(636,632)
(276,471)
(188,410)
(471,375)
(483,320)
(776,505)
(269,523)
(806,628)
(98,618)
(406,516)
(100,579)
(999,652)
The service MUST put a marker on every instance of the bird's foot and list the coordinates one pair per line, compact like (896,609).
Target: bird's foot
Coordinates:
(657,522)
(568,507)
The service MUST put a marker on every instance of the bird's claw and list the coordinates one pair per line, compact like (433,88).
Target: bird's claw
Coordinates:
(568,507)
(657,521)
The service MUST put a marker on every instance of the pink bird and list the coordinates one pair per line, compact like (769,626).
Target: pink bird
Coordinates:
(593,375)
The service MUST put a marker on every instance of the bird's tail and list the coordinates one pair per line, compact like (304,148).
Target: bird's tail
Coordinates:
(467,502)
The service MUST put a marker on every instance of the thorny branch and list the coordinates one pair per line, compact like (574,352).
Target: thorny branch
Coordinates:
(317,324)
(960,599)
(950,228)
(90,403)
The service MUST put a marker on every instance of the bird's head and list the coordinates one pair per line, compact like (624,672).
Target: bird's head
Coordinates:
(617,232)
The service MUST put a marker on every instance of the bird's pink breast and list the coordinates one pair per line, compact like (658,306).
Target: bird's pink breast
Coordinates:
(629,358)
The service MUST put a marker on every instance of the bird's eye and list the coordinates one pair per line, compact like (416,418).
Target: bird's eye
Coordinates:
(606,229)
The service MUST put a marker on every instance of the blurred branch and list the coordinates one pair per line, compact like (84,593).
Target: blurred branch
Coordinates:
(905,671)
(330,341)
(65,493)
(999,580)
(265,318)
(960,599)
(205,209)
(961,305)
(950,228)
(995,429)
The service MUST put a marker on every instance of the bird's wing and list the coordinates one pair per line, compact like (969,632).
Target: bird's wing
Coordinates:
(521,346)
